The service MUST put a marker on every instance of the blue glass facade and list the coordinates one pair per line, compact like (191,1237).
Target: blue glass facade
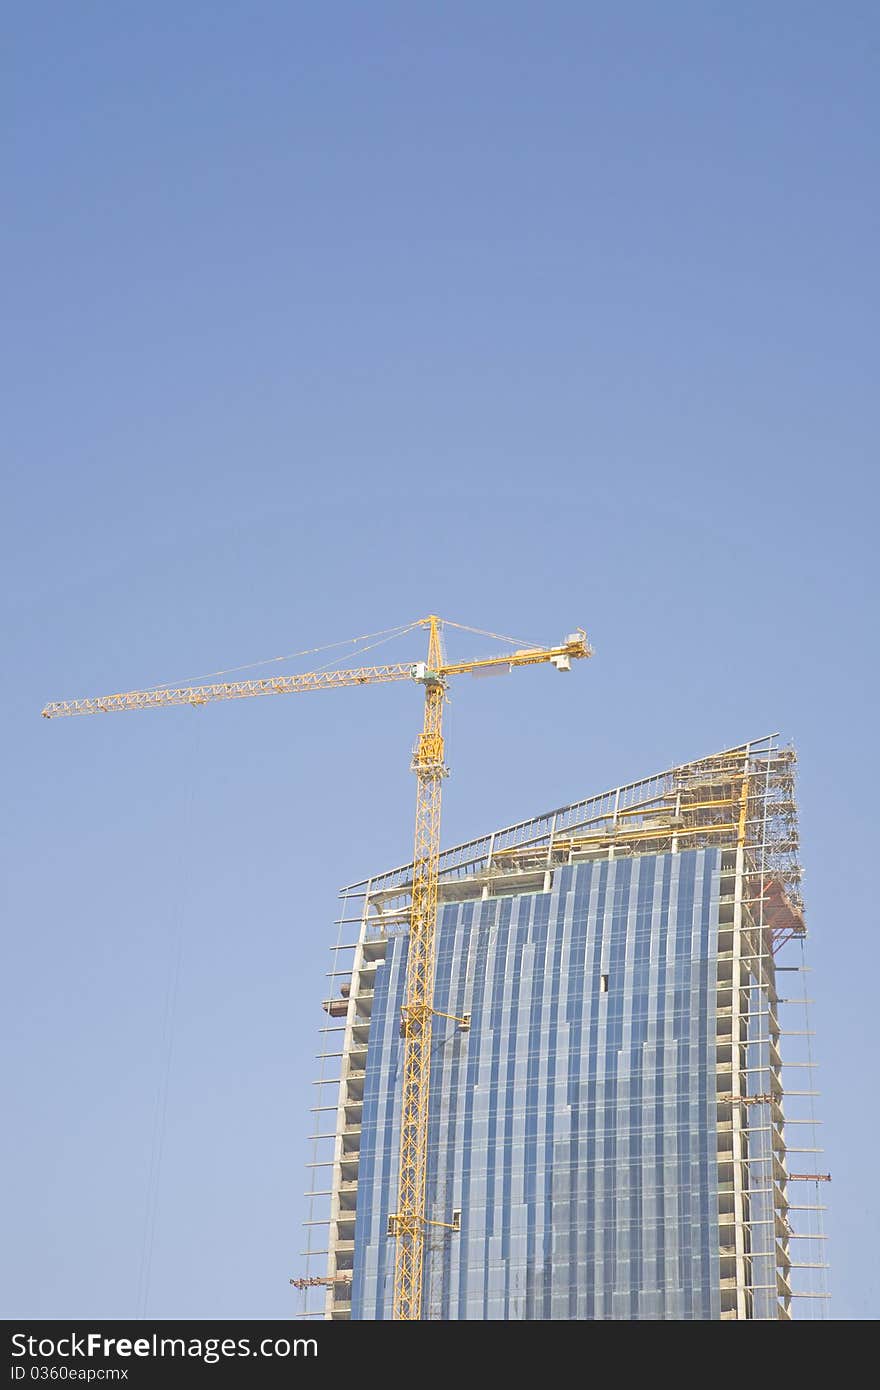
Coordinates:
(574,1124)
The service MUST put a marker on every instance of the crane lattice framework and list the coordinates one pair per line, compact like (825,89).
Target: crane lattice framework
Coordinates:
(408,1224)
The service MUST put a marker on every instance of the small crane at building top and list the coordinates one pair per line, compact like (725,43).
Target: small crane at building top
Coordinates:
(408,1224)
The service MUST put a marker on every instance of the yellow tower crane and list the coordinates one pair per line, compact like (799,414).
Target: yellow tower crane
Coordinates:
(409,1221)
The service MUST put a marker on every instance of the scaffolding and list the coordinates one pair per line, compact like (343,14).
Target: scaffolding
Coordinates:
(742,801)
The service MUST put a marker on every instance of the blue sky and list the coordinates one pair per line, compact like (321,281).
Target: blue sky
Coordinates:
(322,318)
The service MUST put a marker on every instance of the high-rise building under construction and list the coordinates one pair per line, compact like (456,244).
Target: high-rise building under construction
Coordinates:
(609,1134)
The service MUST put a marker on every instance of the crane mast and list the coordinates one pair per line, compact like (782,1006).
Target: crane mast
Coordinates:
(408,1224)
